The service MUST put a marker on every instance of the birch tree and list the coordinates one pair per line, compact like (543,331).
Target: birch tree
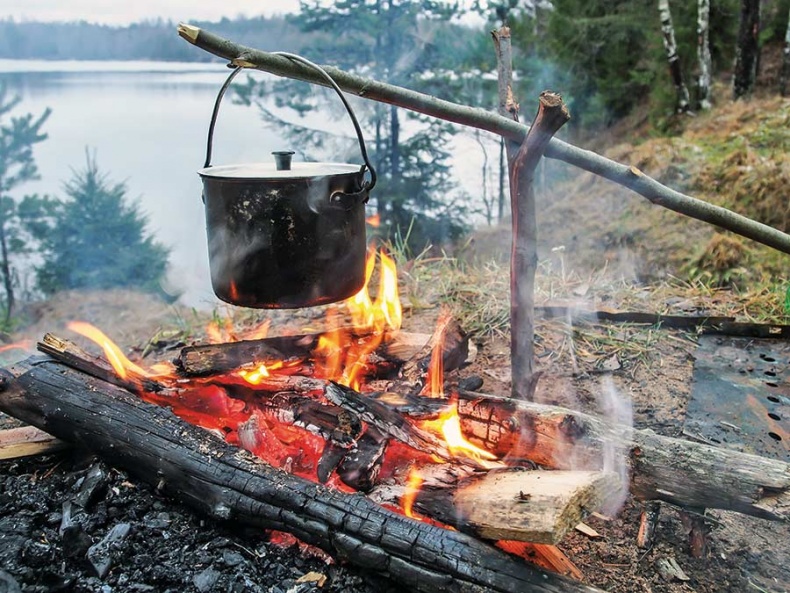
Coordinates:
(703,53)
(668,30)
(747,50)
(784,78)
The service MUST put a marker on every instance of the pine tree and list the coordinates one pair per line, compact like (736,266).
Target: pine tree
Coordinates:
(94,238)
(389,40)
(17,166)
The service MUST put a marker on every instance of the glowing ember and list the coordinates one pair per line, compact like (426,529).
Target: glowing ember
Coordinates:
(413,483)
(122,365)
(449,426)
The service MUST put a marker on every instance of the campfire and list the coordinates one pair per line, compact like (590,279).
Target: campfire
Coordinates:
(360,407)
(367,442)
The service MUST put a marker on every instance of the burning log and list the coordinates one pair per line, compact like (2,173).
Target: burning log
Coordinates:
(232,485)
(677,471)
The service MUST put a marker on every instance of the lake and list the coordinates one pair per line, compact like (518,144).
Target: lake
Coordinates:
(147,124)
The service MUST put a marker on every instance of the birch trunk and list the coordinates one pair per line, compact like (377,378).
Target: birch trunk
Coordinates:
(747,50)
(784,77)
(703,53)
(668,30)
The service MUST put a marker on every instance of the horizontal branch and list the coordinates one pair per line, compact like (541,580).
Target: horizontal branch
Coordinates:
(629,177)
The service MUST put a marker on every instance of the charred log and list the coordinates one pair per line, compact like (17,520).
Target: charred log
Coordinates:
(231,485)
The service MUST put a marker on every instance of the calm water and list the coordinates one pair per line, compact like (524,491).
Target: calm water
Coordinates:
(147,123)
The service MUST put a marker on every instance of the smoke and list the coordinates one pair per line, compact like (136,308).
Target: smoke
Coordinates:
(617,413)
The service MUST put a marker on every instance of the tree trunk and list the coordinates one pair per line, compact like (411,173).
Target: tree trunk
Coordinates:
(5,267)
(675,71)
(703,53)
(747,50)
(784,77)
(231,485)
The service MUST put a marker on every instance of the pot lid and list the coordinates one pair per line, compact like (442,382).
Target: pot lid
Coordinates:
(264,171)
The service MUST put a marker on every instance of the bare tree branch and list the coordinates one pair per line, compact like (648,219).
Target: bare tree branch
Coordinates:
(629,177)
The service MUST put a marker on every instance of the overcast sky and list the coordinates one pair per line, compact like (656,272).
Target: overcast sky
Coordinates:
(123,12)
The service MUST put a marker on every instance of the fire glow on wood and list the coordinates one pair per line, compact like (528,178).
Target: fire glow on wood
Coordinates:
(228,404)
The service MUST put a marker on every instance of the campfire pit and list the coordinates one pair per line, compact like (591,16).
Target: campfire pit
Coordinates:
(429,452)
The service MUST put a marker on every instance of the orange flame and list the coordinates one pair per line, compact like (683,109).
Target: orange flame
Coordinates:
(122,365)
(449,426)
(344,356)
(374,221)
(413,483)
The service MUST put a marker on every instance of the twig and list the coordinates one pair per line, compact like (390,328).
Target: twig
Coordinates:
(629,177)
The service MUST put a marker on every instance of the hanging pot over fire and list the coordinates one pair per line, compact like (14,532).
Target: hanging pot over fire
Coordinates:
(282,234)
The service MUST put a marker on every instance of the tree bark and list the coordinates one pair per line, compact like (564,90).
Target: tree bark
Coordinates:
(784,77)
(670,46)
(231,485)
(747,50)
(629,177)
(703,53)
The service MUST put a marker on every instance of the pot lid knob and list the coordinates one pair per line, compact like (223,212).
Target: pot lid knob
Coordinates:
(282,159)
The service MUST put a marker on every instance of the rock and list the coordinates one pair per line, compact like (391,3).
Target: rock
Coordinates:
(231,558)
(101,555)
(206,580)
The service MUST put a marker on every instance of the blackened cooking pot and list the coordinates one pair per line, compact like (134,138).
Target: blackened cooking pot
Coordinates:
(282,235)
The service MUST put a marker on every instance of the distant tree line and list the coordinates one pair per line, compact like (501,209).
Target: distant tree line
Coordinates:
(150,40)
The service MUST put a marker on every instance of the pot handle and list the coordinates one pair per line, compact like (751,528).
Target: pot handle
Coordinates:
(361,195)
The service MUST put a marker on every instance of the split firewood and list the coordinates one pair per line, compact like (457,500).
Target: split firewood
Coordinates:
(229,484)
(543,555)
(96,366)
(454,343)
(27,441)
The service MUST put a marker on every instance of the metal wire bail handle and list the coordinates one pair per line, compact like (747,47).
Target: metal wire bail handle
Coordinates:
(367,185)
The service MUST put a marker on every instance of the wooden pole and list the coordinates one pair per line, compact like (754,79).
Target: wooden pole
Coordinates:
(627,176)
(522,162)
